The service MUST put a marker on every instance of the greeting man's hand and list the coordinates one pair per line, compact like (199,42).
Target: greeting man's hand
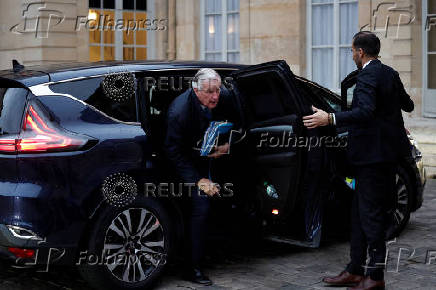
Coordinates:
(319,118)
(207,186)
(220,150)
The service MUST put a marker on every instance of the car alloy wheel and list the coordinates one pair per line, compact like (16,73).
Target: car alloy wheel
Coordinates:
(402,203)
(127,248)
(134,245)
(399,214)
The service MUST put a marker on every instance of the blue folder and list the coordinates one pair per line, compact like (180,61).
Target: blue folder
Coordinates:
(211,135)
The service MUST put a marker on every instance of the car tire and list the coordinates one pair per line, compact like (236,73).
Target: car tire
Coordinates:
(399,214)
(131,245)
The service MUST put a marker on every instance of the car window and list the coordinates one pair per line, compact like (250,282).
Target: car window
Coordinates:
(161,88)
(12,102)
(107,94)
(347,88)
(350,92)
(264,94)
(317,94)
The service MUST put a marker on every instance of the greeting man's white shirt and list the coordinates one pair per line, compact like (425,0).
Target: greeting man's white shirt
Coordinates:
(366,63)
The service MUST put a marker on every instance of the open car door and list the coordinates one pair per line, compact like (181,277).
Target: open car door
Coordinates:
(276,141)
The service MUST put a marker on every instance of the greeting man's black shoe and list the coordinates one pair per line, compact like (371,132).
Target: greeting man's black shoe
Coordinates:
(196,275)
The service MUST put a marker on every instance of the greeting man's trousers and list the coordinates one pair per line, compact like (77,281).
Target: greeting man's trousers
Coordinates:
(375,185)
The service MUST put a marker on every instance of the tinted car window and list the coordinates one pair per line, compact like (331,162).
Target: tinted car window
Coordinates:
(91,91)
(316,94)
(66,110)
(167,85)
(350,93)
(12,102)
(165,88)
(264,94)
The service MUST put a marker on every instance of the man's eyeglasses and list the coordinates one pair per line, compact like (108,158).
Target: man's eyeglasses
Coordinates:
(210,92)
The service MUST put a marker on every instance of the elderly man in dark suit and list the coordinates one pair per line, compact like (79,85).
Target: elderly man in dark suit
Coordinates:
(188,118)
(377,139)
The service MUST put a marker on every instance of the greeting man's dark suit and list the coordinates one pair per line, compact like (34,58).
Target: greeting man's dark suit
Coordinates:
(376,141)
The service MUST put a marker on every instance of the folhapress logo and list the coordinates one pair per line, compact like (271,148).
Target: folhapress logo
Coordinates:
(389,15)
(430,22)
(39,19)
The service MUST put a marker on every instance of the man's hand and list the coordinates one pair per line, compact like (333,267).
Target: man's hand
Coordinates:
(207,186)
(319,118)
(220,150)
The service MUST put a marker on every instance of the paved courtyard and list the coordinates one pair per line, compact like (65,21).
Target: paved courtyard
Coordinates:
(279,266)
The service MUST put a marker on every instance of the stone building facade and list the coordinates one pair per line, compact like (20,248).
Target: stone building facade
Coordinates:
(313,36)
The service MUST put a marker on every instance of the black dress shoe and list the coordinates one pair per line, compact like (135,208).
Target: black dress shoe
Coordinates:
(196,275)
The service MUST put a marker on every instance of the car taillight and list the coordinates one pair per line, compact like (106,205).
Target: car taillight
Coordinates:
(39,134)
(22,253)
(8,145)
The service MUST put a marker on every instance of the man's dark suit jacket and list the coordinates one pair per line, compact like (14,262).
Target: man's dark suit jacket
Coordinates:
(376,126)
(187,122)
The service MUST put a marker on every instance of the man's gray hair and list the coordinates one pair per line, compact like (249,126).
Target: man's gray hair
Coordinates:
(202,75)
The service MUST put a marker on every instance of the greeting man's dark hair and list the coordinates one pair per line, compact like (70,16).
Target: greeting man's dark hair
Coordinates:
(368,42)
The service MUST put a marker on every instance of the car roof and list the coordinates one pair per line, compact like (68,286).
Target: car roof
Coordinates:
(34,75)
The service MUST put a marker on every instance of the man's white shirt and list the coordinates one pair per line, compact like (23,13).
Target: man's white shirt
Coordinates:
(366,63)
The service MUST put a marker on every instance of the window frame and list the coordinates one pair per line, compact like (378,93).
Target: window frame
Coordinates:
(118,34)
(428,107)
(224,13)
(336,40)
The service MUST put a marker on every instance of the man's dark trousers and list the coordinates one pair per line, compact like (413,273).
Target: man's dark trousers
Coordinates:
(374,188)
(187,121)
(200,204)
